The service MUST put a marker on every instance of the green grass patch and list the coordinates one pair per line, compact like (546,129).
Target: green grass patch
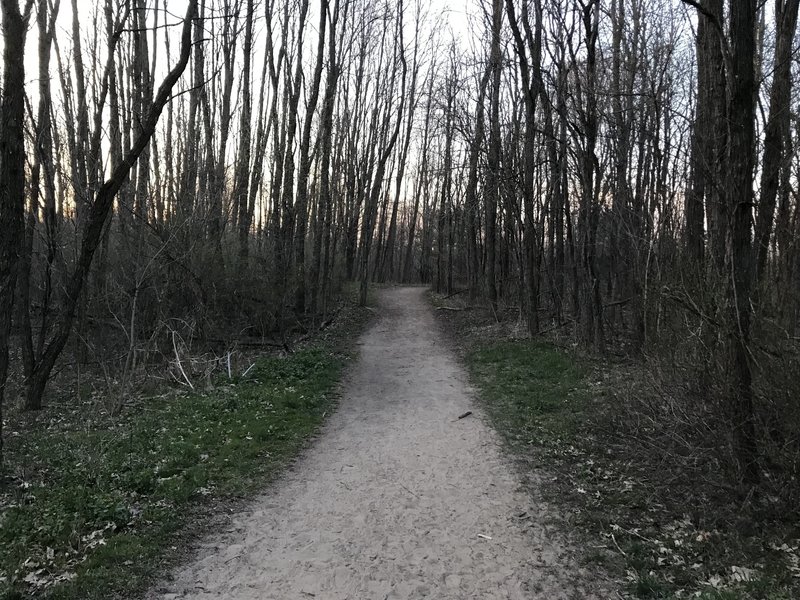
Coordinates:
(562,414)
(92,513)
(534,393)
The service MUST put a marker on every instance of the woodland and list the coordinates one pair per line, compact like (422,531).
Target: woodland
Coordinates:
(179,180)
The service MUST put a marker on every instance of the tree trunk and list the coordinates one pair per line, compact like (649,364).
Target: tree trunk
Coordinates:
(777,130)
(530,69)
(241,202)
(741,160)
(324,211)
(12,175)
(304,171)
(493,175)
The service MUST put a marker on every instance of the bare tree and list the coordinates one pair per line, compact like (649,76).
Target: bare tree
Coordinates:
(12,172)
(304,171)
(371,206)
(241,203)
(777,132)
(493,175)
(739,199)
(96,219)
(529,56)
(42,180)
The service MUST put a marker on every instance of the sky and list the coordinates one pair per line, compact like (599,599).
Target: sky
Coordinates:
(455,14)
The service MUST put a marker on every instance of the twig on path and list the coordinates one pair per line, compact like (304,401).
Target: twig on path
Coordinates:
(408,490)
(466,414)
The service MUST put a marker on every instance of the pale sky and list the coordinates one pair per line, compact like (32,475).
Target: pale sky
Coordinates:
(455,13)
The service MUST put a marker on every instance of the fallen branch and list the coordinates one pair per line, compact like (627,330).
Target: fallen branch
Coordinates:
(253,342)
(567,321)
(621,551)
(329,321)
(618,302)
(456,293)
(178,360)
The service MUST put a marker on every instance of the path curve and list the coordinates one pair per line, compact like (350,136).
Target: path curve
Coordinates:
(396,499)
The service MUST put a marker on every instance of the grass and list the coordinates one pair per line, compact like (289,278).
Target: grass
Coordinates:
(533,393)
(95,510)
(566,414)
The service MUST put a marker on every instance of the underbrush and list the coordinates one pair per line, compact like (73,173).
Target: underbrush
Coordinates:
(96,503)
(636,468)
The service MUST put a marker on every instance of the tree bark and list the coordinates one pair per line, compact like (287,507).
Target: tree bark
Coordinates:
(301,208)
(741,161)
(530,70)
(493,175)
(12,175)
(777,131)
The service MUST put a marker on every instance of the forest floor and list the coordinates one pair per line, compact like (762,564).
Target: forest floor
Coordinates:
(657,516)
(401,495)
(98,500)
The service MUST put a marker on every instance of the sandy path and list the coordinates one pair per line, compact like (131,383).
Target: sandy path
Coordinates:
(394,498)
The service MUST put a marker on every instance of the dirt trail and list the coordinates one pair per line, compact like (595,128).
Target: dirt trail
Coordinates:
(398,498)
